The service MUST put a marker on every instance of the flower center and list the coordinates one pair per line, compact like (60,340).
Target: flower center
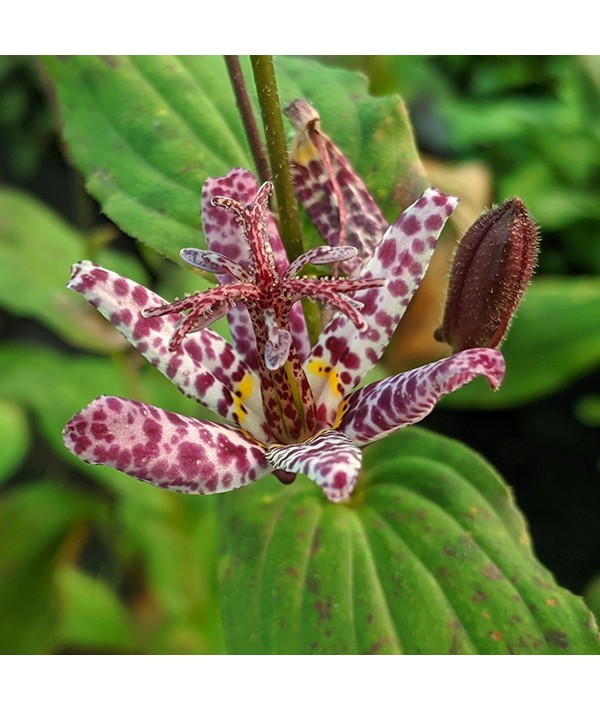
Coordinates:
(287,398)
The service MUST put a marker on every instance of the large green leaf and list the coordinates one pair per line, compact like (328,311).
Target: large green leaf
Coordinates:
(37,248)
(431,556)
(92,616)
(555,338)
(147,131)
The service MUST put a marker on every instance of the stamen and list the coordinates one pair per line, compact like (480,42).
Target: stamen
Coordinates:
(214,262)
(333,293)
(320,255)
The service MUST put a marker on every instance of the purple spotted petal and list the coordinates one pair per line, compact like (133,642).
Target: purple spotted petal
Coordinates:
(335,198)
(402,258)
(223,235)
(168,450)
(205,367)
(381,408)
(329,459)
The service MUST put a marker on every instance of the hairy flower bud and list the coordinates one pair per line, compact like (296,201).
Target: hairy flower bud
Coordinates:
(492,267)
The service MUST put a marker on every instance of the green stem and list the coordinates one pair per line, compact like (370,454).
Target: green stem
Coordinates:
(268,98)
(257,147)
(312,316)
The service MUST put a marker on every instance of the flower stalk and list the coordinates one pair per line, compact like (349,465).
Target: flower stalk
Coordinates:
(268,98)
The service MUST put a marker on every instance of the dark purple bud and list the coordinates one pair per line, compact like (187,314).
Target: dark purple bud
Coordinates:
(492,267)
(285,477)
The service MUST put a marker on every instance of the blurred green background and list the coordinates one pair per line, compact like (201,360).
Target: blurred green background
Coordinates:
(91,561)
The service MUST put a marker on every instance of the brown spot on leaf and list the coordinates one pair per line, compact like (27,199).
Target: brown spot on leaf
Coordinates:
(324,610)
(491,572)
(479,595)
(557,638)
(421,515)
(316,542)
(458,636)
(313,584)
(377,646)
(496,635)
(541,583)
(110,60)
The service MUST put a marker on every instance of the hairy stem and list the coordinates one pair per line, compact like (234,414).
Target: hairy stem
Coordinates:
(257,147)
(268,98)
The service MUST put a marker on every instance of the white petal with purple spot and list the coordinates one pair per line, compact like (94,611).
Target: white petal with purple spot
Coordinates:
(205,367)
(165,449)
(402,258)
(405,399)
(329,459)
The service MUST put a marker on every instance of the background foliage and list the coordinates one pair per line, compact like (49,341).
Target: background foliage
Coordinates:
(94,562)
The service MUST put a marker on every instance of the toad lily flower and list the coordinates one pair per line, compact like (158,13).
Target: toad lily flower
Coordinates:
(292,408)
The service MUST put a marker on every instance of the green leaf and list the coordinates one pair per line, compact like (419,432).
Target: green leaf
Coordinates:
(147,131)
(14,438)
(430,556)
(555,338)
(92,616)
(37,249)
(35,522)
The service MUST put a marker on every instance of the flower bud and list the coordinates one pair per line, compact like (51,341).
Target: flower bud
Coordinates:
(492,267)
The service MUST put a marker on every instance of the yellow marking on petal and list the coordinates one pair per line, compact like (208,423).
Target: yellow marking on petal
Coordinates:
(340,413)
(323,369)
(242,393)
(303,152)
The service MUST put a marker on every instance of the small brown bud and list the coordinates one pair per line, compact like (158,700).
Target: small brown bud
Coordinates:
(492,267)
